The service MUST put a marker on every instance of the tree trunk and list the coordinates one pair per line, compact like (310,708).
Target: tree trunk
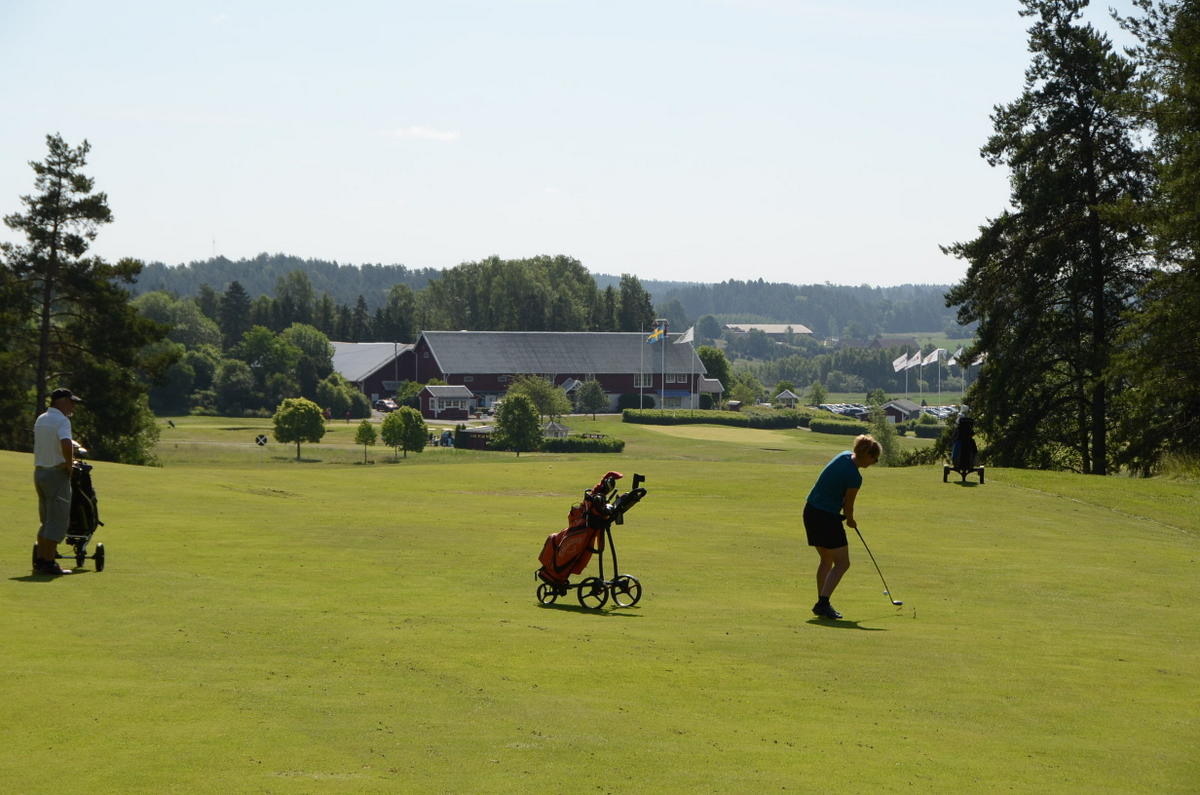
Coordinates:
(43,359)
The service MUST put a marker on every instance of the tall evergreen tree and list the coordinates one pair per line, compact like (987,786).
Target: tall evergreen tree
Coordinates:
(1160,362)
(209,302)
(68,318)
(634,310)
(360,322)
(1048,279)
(234,314)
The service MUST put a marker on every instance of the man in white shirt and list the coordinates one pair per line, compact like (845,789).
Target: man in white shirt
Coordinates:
(53,458)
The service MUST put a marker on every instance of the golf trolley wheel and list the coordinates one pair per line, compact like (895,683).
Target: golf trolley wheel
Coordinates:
(593,593)
(99,557)
(80,556)
(35,558)
(626,590)
(546,594)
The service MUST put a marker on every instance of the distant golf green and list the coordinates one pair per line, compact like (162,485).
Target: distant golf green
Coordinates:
(268,625)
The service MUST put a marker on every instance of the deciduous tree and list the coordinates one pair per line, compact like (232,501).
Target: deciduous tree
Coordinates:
(518,426)
(365,435)
(591,398)
(549,400)
(405,429)
(298,420)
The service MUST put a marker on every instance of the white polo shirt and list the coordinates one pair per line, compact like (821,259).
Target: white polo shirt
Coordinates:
(48,432)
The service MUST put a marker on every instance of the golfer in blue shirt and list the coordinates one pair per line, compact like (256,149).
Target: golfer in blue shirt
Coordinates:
(831,499)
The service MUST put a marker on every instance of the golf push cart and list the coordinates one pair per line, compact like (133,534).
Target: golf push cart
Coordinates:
(85,516)
(964,453)
(589,527)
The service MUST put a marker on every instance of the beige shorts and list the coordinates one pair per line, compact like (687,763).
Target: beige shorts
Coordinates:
(54,502)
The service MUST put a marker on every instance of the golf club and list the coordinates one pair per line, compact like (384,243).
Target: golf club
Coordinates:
(886,591)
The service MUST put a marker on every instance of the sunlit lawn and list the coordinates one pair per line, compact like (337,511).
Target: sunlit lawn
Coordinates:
(268,625)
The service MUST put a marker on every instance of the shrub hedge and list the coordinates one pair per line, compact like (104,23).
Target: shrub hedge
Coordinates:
(845,427)
(786,418)
(928,431)
(583,444)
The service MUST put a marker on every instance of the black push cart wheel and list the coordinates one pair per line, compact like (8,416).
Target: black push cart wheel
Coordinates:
(80,557)
(99,557)
(593,593)
(626,590)
(35,558)
(546,594)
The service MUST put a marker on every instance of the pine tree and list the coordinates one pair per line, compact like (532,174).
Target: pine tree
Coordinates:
(1048,279)
(1160,361)
(68,318)
(234,314)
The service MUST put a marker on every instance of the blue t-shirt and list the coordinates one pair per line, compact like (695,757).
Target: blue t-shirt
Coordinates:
(838,475)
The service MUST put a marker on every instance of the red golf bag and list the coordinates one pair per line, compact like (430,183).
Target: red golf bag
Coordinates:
(569,550)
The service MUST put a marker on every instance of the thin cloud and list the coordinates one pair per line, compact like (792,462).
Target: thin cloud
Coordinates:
(417,132)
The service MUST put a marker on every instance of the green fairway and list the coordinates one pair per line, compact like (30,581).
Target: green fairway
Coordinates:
(268,625)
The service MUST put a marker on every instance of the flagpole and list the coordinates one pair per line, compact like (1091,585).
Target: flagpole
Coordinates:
(662,382)
(906,369)
(641,364)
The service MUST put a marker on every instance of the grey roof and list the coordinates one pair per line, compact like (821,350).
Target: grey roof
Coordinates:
(357,361)
(552,352)
(439,391)
(770,328)
(787,394)
(905,405)
(711,385)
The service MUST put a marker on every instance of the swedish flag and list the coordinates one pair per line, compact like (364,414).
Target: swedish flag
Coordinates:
(656,335)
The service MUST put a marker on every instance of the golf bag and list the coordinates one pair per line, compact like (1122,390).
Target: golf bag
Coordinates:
(85,510)
(570,550)
(964,453)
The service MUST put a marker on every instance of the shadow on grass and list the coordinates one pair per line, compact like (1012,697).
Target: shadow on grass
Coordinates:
(49,577)
(590,612)
(841,623)
(968,483)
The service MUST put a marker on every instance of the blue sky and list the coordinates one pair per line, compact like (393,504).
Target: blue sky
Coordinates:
(794,141)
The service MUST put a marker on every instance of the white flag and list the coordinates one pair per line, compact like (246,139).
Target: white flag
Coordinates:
(933,356)
(900,363)
(954,359)
(686,336)
(979,359)
(915,361)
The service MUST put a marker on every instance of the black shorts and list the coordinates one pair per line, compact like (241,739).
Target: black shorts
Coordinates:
(824,529)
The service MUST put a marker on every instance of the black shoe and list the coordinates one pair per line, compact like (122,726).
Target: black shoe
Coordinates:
(825,610)
(49,567)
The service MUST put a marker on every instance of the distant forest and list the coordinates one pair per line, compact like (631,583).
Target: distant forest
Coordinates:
(858,312)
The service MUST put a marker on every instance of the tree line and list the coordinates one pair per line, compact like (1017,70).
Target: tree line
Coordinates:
(554,293)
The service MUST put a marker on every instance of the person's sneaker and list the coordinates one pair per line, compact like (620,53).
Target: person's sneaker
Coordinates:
(825,610)
(49,567)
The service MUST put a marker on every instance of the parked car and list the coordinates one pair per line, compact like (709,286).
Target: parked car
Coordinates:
(386,405)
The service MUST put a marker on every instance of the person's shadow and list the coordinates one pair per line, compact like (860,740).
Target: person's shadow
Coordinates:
(842,623)
(49,577)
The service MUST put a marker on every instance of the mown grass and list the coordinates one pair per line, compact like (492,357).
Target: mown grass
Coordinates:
(265,625)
